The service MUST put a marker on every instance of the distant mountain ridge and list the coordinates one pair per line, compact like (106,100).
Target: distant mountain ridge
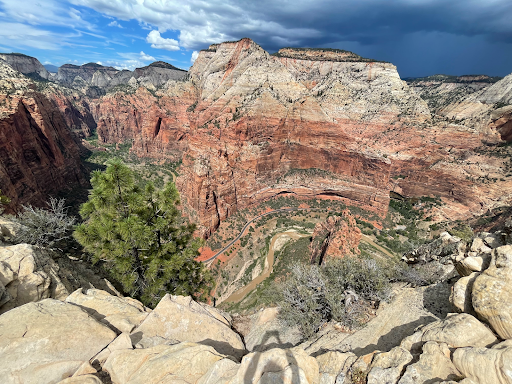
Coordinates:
(51,68)
(441,78)
(92,78)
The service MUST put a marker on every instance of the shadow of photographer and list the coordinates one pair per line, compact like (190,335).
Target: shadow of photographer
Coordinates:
(258,367)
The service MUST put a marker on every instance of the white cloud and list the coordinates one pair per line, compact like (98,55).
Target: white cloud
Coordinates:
(19,35)
(115,24)
(145,57)
(47,12)
(194,56)
(159,42)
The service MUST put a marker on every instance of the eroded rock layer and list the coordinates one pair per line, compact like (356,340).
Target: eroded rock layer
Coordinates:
(248,126)
(38,154)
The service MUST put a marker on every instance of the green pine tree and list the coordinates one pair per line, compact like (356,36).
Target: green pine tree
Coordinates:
(139,234)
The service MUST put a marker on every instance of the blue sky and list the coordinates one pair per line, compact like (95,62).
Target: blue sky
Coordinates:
(421,37)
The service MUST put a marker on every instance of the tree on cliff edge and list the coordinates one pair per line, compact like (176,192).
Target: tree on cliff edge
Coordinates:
(138,233)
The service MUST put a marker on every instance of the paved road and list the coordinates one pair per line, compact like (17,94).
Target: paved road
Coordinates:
(247,225)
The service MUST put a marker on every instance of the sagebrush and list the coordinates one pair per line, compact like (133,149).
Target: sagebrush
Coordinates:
(342,290)
(51,227)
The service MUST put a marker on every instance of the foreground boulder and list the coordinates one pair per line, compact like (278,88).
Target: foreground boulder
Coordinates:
(388,366)
(459,330)
(434,363)
(27,274)
(333,366)
(461,293)
(48,341)
(278,366)
(484,365)
(178,318)
(122,313)
(492,292)
(180,363)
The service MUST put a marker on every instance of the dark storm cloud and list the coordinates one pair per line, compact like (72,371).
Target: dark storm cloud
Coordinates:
(370,25)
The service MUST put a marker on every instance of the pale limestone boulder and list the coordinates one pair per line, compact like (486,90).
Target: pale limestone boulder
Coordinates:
(333,366)
(485,365)
(122,313)
(387,367)
(434,363)
(222,372)
(85,379)
(180,363)
(47,341)
(473,263)
(459,330)
(492,292)
(122,342)
(278,366)
(179,318)
(460,297)
(479,246)
(28,274)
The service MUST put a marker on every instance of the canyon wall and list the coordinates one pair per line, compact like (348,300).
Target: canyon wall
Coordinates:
(248,126)
(38,154)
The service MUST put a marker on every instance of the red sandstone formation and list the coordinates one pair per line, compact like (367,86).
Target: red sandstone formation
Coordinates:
(246,123)
(249,126)
(38,155)
(336,237)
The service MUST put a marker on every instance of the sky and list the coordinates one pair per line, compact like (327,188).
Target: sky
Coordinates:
(421,37)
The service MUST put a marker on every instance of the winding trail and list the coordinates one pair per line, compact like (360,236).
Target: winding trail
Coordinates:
(240,294)
(242,232)
(247,226)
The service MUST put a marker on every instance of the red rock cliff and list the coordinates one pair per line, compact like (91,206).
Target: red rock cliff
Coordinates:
(38,155)
(246,124)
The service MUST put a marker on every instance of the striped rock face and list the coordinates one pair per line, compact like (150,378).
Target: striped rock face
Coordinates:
(492,293)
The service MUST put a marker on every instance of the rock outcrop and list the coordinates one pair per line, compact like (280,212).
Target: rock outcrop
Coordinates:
(492,293)
(120,313)
(337,237)
(248,126)
(48,341)
(27,65)
(178,318)
(27,274)
(90,76)
(91,338)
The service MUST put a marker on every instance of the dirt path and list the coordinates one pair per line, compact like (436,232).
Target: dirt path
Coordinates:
(242,232)
(237,296)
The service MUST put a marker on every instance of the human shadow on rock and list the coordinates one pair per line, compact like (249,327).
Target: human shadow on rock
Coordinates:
(271,366)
